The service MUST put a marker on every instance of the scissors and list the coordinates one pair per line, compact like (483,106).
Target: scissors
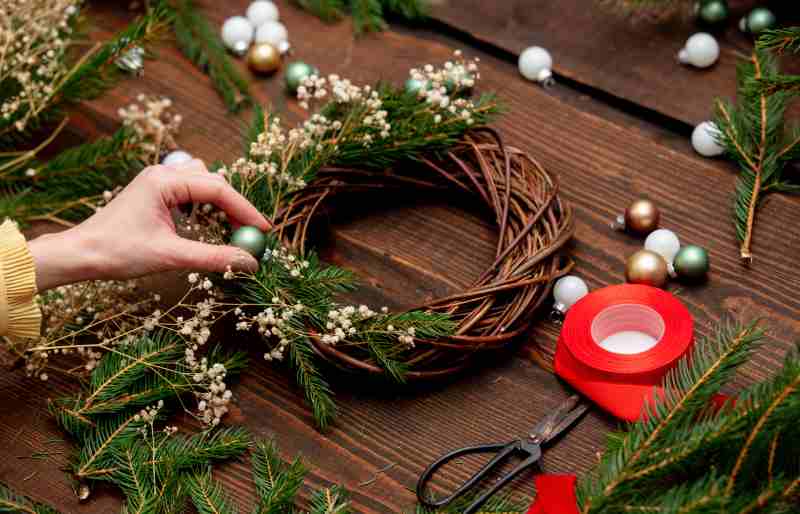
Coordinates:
(530,447)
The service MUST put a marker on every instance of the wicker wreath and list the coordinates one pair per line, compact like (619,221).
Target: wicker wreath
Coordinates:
(534,225)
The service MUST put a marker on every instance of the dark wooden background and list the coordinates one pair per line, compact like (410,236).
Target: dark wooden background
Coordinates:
(614,128)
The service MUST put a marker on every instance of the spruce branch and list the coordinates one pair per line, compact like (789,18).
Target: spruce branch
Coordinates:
(331,501)
(276,483)
(755,135)
(780,41)
(783,40)
(208,495)
(650,445)
(12,502)
(201,44)
(368,15)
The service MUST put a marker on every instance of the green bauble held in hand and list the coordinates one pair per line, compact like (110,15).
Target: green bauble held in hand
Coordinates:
(251,240)
(712,12)
(691,262)
(296,73)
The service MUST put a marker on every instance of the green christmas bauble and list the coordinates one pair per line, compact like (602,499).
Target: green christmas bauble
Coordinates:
(712,12)
(691,262)
(251,240)
(758,20)
(415,87)
(296,73)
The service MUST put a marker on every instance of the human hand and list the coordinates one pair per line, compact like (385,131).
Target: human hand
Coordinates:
(134,235)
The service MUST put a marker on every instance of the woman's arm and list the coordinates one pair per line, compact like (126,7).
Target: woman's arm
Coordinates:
(134,235)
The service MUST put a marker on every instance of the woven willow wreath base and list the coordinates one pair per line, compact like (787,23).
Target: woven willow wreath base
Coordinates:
(533,226)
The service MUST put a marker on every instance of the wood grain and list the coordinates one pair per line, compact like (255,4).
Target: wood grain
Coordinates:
(597,46)
(408,249)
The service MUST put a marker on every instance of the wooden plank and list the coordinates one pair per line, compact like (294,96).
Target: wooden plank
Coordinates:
(596,46)
(409,248)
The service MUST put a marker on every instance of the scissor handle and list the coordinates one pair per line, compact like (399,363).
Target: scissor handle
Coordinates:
(503,451)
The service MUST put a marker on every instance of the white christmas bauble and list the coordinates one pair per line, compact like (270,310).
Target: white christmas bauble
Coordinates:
(237,33)
(567,291)
(272,32)
(704,139)
(665,243)
(176,158)
(262,11)
(535,63)
(701,50)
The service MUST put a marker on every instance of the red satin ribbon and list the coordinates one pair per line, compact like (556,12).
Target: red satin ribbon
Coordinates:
(622,384)
(555,494)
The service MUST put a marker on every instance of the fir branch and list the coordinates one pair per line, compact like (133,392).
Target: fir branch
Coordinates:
(208,496)
(201,44)
(66,188)
(326,10)
(96,456)
(368,15)
(754,135)
(783,40)
(14,503)
(183,453)
(688,389)
(97,73)
(317,392)
(276,483)
(330,501)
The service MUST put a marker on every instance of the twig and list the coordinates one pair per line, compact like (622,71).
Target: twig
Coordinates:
(375,476)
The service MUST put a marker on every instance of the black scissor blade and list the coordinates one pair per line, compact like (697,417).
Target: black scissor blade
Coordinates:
(559,420)
(568,421)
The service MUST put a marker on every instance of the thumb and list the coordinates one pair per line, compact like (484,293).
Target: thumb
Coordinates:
(194,255)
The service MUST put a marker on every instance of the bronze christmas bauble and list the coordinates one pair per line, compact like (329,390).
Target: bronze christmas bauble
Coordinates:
(646,267)
(642,217)
(263,58)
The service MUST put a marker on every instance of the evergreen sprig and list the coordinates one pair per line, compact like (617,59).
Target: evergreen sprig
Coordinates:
(89,76)
(690,458)
(781,41)
(368,15)
(757,137)
(14,503)
(65,188)
(201,44)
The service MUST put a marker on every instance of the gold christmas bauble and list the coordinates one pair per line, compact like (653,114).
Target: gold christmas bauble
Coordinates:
(642,217)
(263,58)
(646,267)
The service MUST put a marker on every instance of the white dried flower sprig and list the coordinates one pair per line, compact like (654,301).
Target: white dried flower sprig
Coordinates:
(154,123)
(34,37)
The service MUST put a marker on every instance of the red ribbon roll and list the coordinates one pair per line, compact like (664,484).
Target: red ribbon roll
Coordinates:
(622,383)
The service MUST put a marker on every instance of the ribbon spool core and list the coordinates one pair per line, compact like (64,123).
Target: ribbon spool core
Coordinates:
(627,329)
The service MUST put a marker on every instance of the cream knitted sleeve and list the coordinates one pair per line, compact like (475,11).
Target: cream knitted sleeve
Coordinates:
(19,314)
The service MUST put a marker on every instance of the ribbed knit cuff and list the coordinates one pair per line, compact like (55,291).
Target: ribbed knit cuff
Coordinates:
(19,314)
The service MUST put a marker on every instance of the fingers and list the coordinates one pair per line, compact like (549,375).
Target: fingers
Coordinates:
(192,183)
(188,254)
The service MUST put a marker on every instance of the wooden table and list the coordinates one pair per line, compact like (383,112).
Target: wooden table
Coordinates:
(614,128)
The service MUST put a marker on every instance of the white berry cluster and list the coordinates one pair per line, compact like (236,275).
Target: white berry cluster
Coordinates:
(445,85)
(154,124)
(34,38)
(342,322)
(149,414)
(288,260)
(274,323)
(213,402)
(364,101)
(405,336)
(104,313)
